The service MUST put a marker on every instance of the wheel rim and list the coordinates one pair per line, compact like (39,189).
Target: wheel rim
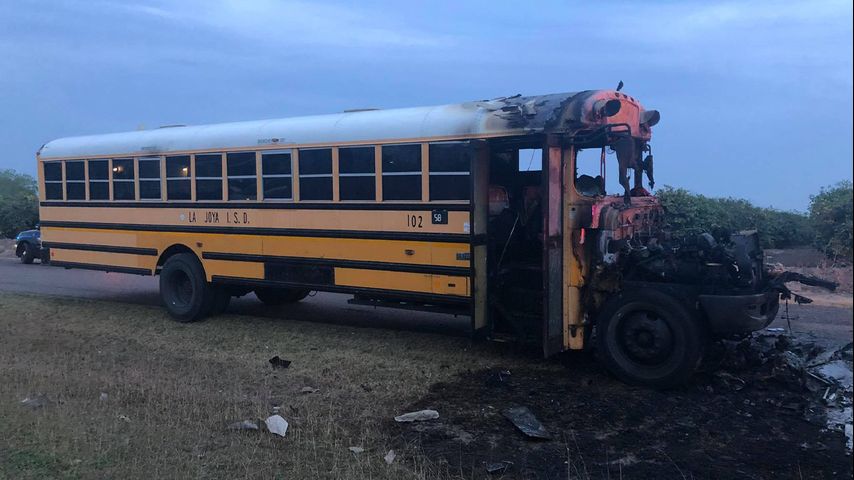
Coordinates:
(645,337)
(181,288)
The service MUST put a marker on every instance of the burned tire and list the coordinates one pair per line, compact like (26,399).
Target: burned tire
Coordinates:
(646,337)
(280,296)
(184,290)
(27,254)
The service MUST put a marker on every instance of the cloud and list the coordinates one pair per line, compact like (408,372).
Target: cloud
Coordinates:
(295,23)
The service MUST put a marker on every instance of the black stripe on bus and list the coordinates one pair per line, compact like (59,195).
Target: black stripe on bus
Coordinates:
(359,264)
(378,292)
(150,252)
(282,232)
(408,207)
(103,268)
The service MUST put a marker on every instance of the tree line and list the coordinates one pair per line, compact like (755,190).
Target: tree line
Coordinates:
(827,226)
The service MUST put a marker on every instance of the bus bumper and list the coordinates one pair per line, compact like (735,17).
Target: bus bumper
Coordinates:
(740,314)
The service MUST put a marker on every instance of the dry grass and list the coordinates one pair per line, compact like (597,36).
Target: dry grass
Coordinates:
(173,388)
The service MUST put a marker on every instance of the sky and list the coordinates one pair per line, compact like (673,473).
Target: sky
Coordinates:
(755,97)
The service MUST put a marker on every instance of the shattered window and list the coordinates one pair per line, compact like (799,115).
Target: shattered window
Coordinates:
(530,159)
(589,172)
(401,172)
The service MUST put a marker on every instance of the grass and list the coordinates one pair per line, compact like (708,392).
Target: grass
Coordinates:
(173,388)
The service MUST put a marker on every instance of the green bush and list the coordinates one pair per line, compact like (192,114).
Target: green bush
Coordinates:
(831,213)
(19,203)
(689,213)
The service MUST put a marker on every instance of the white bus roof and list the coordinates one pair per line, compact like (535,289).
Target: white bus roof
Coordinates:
(503,116)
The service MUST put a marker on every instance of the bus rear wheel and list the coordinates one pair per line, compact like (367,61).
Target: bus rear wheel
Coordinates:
(184,290)
(646,337)
(279,296)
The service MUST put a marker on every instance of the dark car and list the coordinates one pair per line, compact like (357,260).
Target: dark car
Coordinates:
(28,246)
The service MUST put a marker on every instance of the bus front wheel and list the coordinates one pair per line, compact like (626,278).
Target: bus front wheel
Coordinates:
(646,337)
(280,296)
(184,289)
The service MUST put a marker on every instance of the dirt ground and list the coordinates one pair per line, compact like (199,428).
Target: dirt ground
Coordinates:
(128,393)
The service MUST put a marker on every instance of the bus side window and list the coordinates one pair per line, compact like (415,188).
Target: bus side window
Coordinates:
(277,175)
(450,164)
(99,179)
(75,181)
(401,166)
(356,173)
(149,178)
(209,177)
(178,177)
(123,176)
(315,174)
(242,183)
(52,180)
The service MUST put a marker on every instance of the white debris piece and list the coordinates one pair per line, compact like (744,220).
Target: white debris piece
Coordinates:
(389,457)
(243,425)
(103,397)
(356,450)
(418,416)
(277,425)
(36,401)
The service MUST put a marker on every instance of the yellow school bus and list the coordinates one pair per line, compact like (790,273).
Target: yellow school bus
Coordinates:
(480,208)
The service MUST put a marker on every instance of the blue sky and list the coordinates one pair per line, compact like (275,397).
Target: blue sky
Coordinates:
(756,97)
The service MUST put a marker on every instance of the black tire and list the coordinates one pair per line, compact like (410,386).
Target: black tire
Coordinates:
(222,297)
(273,296)
(27,253)
(184,290)
(646,337)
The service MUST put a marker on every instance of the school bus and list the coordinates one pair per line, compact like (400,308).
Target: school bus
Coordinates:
(479,208)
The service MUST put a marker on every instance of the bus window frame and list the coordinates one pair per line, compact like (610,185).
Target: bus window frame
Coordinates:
(261,195)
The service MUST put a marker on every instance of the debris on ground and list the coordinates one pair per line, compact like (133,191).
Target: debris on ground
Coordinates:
(244,425)
(525,421)
(278,362)
(389,457)
(276,425)
(123,418)
(498,467)
(308,390)
(35,402)
(103,397)
(356,450)
(419,416)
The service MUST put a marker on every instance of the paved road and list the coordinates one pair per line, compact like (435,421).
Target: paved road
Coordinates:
(831,324)
(119,287)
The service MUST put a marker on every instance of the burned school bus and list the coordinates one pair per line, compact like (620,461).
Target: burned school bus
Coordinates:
(477,208)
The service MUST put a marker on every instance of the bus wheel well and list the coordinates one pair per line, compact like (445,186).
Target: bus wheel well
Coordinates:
(172,250)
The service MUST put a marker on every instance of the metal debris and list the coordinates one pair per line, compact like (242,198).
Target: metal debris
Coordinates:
(276,425)
(308,390)
(277,362)
(498,467)
(35,402)
(525,421)
(356,450)
(418,416)
(389,457)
